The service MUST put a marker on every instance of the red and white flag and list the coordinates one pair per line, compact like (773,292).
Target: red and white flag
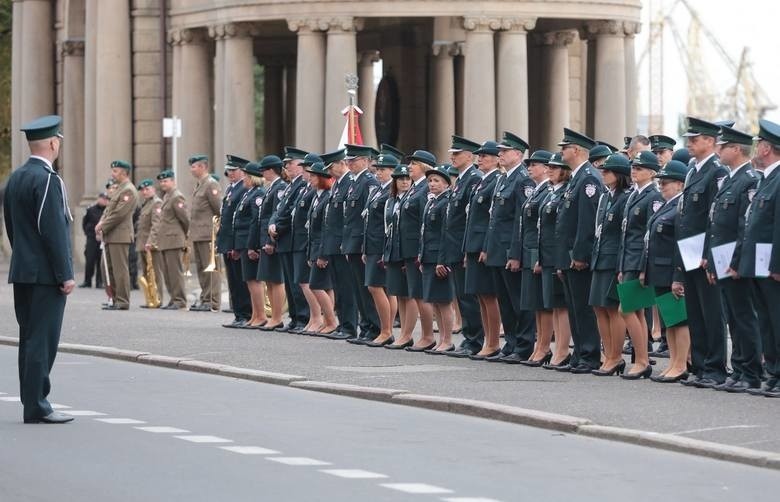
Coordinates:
(351,134)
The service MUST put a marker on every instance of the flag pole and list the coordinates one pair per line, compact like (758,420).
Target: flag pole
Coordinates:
(352,87)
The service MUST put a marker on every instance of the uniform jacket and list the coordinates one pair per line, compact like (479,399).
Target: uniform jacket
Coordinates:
(575,228)
(147,219)
(661,252)
(695,202)
(118,216)
(316,225)
(452,251)
(410,219)
(334,216)
(171,230)
(506,207)
(729,207)
(525,235)
(206,200)
(37,222)
(638,210)
(282,217)
(609,222)
(246,233)
(548,215)
(374,221)
(91,218)
(478,214)
(354,225)
(763,226)
(300,217)
(230,201)
(433,227)
(271,200)
(392,252)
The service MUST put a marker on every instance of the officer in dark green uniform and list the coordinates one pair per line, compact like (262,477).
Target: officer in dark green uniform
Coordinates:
(663,148)
(37,222)
(726,227)
(758,254)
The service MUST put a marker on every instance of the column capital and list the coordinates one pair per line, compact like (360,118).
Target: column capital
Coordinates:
(346,24)
(482,23)
(233,30)
(555,38)
(302,25)
(187,36)
(631,28)
(603,27)
(73,47)
(517,24)
(446,48)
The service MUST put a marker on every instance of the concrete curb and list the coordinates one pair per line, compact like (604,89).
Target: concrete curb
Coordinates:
(481,409)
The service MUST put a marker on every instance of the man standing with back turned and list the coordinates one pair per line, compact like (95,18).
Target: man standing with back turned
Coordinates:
(37,221)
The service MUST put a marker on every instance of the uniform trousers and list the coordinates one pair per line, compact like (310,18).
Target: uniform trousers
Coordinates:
(705,321)
(344,292)
(173,273)
(210,282)
(39,311)
(157,269)
(239,293)
(92,262)
(369,319)
(296,302)
(119,272)
(473,334)
(582,319)
(743,327)
(519,325)
(769,318)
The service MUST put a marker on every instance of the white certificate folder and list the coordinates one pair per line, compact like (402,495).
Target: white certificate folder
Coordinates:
(691,251)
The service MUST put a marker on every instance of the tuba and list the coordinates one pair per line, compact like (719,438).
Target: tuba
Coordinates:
(148,283)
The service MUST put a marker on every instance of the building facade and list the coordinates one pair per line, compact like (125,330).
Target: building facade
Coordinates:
(114,68)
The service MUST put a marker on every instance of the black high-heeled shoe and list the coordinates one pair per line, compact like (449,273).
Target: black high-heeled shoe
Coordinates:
(617,369)
(559,366)
(645,373)
(666,379)
(537,363)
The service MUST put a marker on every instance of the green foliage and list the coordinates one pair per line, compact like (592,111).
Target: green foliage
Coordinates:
(6,22)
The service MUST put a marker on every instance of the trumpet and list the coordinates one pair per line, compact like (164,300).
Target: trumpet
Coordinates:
(148,283)
(212,266)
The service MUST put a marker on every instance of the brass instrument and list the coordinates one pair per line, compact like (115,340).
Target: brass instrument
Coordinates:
(212,266)
(185,261)
(148,282)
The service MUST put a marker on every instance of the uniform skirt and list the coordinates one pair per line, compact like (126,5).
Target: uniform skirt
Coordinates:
(531,296)
(270,269)
(375,273)
(435,289)
(413,279)
(301,269)
(552,289)
(479,279)
(319,278)
(603,289)
(395,279)
(248,267)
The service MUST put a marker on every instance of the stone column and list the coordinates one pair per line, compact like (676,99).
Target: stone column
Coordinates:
(32,64)
(235,72)
(93,184)
(479,87)
(556,83)
(191,100)
(219,94)
(610,87)
(367,96)
(443,98)
(340,60)
(512,76)
(309,84)
(273,109)
(113,87)
(632,83)
(73,117)
(290,82)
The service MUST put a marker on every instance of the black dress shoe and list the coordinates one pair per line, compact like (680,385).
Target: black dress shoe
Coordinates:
(227,311)
(617,369)
(772,392)
(237,323)
(340,335)
(461,353)
(172,306)
(690,381)
(706,383)
(358,341)
(401,346)
(741,387)
(725,385)
(296,330)
(85,285)
(282,329)
(497,354)
(55,417)
(581,369)
(199,307)
(420,349)
(537,363)
(373,343)
(114,307)
(513,358)
(667,379)
(559,366)
(645,373)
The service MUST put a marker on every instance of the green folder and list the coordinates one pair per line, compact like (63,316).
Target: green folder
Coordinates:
(634,296)
(671,309)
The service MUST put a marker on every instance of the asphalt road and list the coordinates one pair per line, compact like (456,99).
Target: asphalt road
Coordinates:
(700,414)
(147,433)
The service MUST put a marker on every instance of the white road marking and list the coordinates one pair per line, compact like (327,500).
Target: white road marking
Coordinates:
(120,421)
(468,499)
(709,429)
(2,393)
(162,430)
(250,450)
(298,461)
(11,399)
(204,439)
(56,406)
(84,413)
(417,488)
(353,473)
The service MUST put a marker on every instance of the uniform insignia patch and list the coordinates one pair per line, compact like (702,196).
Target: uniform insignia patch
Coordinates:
(529,191)
(259,201)
(590,190)
(657,205)
(159,210)
(214,191)
(431,196)
(126,198)
(180,205)
(279,195)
